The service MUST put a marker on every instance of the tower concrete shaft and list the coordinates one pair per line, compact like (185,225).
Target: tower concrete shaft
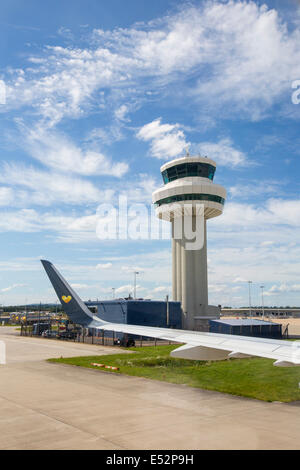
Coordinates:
(189,278)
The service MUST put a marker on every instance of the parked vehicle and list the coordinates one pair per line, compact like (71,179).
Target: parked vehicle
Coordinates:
(49,334)
(127,342)
(67,334)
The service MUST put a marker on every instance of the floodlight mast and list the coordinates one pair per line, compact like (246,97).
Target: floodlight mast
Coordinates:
(250,308)
(134,287)
(262,301)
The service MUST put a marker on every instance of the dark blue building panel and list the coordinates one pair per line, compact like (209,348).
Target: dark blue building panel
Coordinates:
(138,312)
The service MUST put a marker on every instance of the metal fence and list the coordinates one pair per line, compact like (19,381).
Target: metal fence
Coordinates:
(82,335)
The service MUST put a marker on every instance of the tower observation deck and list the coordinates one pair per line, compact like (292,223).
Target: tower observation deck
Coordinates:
(189,192)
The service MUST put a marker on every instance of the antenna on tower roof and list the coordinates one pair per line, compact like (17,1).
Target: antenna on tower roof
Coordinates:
(187,153)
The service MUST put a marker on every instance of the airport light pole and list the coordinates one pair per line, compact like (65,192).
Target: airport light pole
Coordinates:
(262,301)
(134,291)
(250,311)
(168,310)
(39,318)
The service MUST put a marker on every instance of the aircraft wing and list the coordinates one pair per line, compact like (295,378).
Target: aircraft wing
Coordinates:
(213,346)
(197,345)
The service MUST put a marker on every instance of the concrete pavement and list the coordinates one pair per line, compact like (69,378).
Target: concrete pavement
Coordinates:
(51,406)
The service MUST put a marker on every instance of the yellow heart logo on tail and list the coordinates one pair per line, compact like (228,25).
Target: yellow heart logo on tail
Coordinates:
(66,299)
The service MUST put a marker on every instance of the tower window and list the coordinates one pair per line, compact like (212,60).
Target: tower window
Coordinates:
(191,197)
(204,170)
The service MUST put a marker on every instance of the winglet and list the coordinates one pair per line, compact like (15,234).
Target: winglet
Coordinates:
(74,307)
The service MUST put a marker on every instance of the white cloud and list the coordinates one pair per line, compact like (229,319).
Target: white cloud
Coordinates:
(104,266)
(273,212)
(267,243)
(131,269)
(240,53)
(167,140)
(255,188)
(30,220)
(24,220)
(217,288)
(13,286)
(236,257)
(104,136)
(127,289)
(6,196)
(234,52)
(283,288)
(80,286)
(20,264)
(32,186)
(223,152)
(161,289)
(26,186)
(239,279)
(60,153)
(65,32)
(121,112)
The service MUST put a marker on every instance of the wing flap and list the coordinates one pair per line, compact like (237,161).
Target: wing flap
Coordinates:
(237,355)
(199,353)
(284,364)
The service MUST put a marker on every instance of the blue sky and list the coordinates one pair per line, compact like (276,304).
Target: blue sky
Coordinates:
(100,94)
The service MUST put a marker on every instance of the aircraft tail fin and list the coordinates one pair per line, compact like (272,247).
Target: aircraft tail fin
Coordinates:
(74,307)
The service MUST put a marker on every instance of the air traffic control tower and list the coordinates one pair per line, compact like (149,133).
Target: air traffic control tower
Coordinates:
(189,189)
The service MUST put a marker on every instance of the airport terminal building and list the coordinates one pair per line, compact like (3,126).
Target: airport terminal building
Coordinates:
(293,312)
